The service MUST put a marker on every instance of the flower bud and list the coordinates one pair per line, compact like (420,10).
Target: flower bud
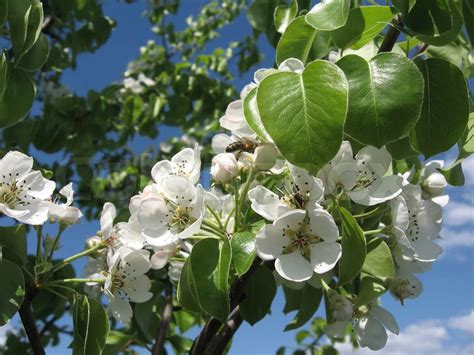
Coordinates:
(341,307)
(70,216)
(93,242)
(435,184)
(406,286)
(224,167)
(265,157)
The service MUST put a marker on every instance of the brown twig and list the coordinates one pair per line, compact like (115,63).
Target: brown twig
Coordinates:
(159,346)
(29,322)
(220,342)
(391,36)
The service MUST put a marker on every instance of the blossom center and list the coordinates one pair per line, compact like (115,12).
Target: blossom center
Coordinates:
(300,239)
(12,194)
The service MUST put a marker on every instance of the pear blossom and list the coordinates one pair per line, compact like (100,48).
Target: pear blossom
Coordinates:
(405,286)
(370,327)
(130,234)
(224,168)
(174,214)
(300,245)
(340,306)
(300,191)
(161,255)
(315,280)
(64,212)
(234,120)
(23,191)
(185,163)
(433,183)
(364,178)
(126,282)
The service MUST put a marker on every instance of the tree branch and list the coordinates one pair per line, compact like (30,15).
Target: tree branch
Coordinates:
(391,36)
(220,342)
(29,323)
(213,325)
(159,346)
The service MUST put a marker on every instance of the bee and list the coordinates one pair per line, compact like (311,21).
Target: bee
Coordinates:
(242,145)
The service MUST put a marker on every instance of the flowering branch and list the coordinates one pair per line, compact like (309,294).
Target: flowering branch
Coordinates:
(158,347)
(29,323)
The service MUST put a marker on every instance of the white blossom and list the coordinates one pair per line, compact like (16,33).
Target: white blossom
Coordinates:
(224,168)
(64,212)
(185,163)
(23,191)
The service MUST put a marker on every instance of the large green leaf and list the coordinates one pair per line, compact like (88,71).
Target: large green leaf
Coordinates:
(445,108)
(13,243)
(18,97)
(434,22)
(260,14)
(91,326)
(309,299)
(243,251)
(353,248)
(36,56)
(284,14)
(363,25)
(370,289)
(378,262)
(258,295)
(329,15)
(204,284)
(385,97)
(468,14)
(33,28)
(13,290)
(3,11)
(302,41)
(305,113)
(252,116)
(18,12)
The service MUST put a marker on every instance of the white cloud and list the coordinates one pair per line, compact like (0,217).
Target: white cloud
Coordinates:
(468,170)
(3,334)
(464,323)
(424,338)
(458,214)
(451,238)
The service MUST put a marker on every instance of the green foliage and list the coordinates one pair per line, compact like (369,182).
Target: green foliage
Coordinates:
(259,293)
(91,325)
(284,14)
(440,126)
(306,301)
(13,244)
(378,262)
(13,290)
(310,108)
(329,15)
(353,248)
(243,251)
(384,103)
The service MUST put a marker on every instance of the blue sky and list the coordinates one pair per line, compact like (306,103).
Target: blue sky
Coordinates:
(441,321)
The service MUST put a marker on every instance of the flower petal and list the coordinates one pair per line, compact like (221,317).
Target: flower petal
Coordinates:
(370,333)
(15,165)
(293,267)
(137,289)
(121,309)
(322,224)
(386,318)
(266,203)
(324,256)
(270,242)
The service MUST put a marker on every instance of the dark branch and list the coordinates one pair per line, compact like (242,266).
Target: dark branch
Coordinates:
(159,346)
(29,323)
(213,325)
(391,36)
(220,342)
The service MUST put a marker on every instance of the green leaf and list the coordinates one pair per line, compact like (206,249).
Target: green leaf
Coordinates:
(146,315)
(378,262)
(203,285)
(18,97)
(13,244)
(18,12)
(370,289)
(363,25)
(180,344)
(243,251)
(91,326)
(309,300)
(33,28)
(385,97)
(292,299)
(116,342)
(301,336)
(259,293)
(260,14)
(434,22)
(353,248)
(329,15)
(3,74)
(468,14)
(302,41)
(252,116)
(36,56)
(445,109)
(284,14)
(3,11)
(13,290)
(307,108)
(403,6)
(402,149)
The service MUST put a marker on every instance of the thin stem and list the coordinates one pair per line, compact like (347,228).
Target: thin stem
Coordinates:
(374,231)
(39,239)
(212,226)
(75,280)
(159,346)
(56,241)
(237,207)
(212,231)
(391,36)
(246,188)
(77,256)
(373,212)
(226,223)
(216,217)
